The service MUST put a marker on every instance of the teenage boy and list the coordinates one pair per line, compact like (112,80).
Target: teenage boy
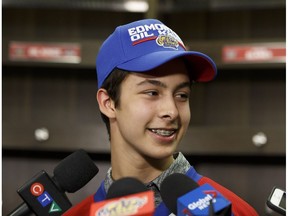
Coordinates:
(144,78)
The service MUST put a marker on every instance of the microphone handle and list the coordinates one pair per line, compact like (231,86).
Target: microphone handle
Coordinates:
(22,210)
(211,209)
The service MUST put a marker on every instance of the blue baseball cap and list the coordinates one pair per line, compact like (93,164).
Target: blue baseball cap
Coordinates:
(146,44)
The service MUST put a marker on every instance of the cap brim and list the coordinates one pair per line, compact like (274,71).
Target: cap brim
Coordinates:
(201,67)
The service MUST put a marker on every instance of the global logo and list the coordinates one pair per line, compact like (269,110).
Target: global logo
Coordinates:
(204,202)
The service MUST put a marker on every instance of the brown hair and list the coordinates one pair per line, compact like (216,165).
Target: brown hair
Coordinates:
(112,85)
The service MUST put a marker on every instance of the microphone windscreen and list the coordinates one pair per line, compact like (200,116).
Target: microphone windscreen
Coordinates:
(175,186)
(75,171)
(125,186)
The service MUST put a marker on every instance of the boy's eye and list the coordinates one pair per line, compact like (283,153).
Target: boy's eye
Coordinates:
(182,96)
(152,93)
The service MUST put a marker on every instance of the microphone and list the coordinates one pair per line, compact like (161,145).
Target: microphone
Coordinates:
(189,199)
(126,196)
(44,195)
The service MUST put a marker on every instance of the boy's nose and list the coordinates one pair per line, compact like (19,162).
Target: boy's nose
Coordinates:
(169,110)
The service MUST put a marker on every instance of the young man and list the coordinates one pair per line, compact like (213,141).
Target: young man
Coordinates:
(144,81)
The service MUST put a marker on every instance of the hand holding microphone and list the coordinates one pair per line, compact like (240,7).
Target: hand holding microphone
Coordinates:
(44,195)
(184,197)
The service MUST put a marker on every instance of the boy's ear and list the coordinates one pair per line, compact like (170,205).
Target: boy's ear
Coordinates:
(106,104)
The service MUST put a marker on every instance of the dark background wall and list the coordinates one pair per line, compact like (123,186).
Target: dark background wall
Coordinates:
(246,100)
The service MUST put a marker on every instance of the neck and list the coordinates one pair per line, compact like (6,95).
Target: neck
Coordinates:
(137,166)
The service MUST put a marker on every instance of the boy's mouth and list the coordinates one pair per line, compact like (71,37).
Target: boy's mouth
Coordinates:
(163,132)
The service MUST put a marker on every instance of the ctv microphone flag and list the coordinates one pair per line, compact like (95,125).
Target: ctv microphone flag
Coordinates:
(198,201)
(42,194)
(45,195)
(140,204)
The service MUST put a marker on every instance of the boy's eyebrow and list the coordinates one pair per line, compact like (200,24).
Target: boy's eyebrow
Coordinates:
(153,82)
(161,84)
(184,85)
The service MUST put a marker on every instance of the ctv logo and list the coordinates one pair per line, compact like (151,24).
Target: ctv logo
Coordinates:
(43,197)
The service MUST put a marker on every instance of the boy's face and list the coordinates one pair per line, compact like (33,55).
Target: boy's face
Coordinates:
(154,111)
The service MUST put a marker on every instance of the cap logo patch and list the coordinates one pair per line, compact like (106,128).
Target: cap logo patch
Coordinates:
(167,41)
(163,35)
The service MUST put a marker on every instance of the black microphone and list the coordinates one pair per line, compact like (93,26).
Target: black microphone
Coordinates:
(44,195)
(183,196)
(125,186)
(174,186)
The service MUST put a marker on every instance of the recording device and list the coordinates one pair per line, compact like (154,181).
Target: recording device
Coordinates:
(170,193)
(126,196)
(184,197)
(44,195)
(277,200)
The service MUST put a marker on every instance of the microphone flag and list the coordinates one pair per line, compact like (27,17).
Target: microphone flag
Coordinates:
(198,201)
(140,204)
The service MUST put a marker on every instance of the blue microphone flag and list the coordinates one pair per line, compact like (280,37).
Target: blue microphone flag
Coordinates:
(197,202)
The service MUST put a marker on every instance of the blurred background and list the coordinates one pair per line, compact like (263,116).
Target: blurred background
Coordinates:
(237,130)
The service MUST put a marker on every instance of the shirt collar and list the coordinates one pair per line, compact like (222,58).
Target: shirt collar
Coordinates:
(180,165)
